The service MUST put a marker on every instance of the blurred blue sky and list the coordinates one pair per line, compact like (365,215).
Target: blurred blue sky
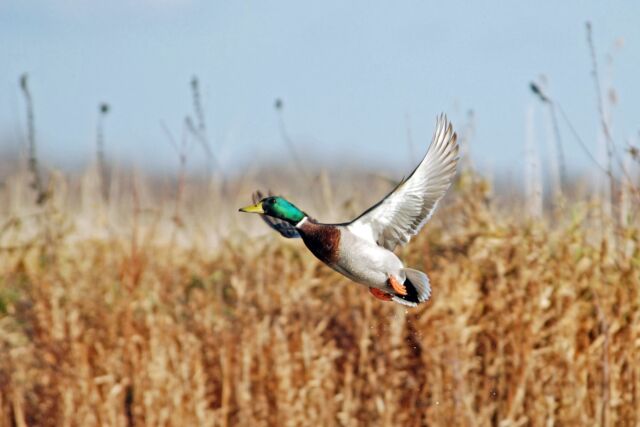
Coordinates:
(353,75)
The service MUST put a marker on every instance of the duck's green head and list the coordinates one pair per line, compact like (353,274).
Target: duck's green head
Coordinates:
(276,207)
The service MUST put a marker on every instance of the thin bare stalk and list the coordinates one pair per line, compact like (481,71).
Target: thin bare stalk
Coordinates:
(103,110)
(533,177)
(603,118)
(182,150)
(559,147)
(543,96)
(605,387)
(535,88)
(199,128)
(34,170)
(612,152)
(279,106)
(197,104)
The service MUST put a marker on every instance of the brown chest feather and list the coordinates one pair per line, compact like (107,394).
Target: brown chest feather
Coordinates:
(322,240)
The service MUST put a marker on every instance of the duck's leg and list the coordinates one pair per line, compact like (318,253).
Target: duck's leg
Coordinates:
(380,294)
(397,286)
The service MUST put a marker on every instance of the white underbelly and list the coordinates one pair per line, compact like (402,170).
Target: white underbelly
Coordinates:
(367,263)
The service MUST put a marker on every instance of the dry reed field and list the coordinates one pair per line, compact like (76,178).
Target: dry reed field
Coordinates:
(156,309)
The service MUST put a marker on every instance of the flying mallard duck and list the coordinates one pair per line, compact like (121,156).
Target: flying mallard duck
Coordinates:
(362,249)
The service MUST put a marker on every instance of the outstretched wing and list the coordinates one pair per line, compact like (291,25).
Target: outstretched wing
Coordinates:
(403,212)
(282,227)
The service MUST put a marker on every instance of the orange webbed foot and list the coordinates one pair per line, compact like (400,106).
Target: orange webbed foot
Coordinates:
(381,295)
(397,286)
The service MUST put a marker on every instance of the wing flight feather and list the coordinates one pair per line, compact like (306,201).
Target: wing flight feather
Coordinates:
(403,212)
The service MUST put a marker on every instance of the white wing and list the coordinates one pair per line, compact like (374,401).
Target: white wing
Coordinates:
(403,212)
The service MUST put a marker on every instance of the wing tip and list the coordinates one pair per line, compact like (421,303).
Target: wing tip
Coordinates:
(445,141)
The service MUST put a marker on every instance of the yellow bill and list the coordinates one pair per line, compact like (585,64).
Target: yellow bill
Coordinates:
(257,208)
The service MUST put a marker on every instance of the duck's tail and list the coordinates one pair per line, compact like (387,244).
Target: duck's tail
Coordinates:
(418,288)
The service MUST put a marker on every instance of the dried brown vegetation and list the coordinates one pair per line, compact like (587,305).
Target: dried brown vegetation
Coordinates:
(121,315)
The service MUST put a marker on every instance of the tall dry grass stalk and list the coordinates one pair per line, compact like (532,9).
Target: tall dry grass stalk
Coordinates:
(533,173)
(101,160)
(33,165)
(531,322)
